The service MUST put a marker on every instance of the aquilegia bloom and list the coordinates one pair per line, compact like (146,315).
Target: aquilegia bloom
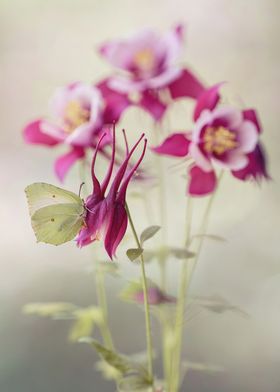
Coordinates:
(149,64)
(223,137)
(106,216)
(79,112)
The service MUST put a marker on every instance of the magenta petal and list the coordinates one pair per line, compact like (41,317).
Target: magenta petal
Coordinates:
(187,85)
(115,102)
(176,145)
(64,162)
(207,100)
(251,115)
(201,182)
(256,167)
(155,297)
(117,225)
(151,103)
(32,134)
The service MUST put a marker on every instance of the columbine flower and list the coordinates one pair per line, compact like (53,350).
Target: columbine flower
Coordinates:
(133,292)
(79,112)
(149,62)
(106,216)
(224,137)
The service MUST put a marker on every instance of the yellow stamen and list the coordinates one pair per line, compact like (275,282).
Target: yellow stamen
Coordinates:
(75,115)
(144,59)
(219,140)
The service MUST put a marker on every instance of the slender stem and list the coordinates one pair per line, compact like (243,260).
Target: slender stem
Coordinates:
(102,300)
(186,275)
(180,310)
(146,303)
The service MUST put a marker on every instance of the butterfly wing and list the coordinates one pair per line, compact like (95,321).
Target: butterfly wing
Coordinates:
(41,195)
(58,223)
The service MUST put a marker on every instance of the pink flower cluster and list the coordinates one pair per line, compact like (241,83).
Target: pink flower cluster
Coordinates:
(147,75)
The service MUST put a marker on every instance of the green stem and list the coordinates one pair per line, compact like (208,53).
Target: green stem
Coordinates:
(146,303)
(102,300)
(186,275)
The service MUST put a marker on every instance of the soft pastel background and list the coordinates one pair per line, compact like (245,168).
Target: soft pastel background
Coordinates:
(44,44)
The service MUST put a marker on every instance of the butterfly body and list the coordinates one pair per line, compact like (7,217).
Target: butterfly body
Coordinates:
(56,215)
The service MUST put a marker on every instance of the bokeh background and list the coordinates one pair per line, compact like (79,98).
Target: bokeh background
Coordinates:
(45,44)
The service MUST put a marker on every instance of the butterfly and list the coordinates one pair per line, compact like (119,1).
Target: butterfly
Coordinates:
(56,215)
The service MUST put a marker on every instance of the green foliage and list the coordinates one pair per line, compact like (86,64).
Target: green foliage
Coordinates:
(49,309)
(86,319)
(134,253)
(148,233)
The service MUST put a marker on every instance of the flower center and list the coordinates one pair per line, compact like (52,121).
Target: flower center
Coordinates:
(219,140)
(144,59)
(75,115)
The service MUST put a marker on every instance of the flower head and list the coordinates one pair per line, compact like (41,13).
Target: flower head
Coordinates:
(106,216)
(149,63)
(79,112)
(223,137)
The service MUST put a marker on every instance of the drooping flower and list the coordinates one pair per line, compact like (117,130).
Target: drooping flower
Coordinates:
(133,292)
(106,216)
(79,111)
(150,64)
(223,137)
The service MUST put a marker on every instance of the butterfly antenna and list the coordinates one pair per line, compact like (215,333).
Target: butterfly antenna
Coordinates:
(80,189)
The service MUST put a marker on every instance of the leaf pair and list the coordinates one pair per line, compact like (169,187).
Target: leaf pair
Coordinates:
(149,232)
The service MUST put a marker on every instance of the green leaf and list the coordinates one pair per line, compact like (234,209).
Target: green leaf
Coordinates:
(49,309)
(121,363)
(148,233)
(134,383)
(218,304)
(86,319)
(108,372)
(134,253)
(181,253)
(107,267)
(212,237)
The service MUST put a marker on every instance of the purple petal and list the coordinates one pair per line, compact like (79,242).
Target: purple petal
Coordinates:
(251,115)
(256,167)
(33,134)
(186,85)
(64,162)
(207,100)
(176,145)
(155,297)
(117,225)
(201,183)
(150,102)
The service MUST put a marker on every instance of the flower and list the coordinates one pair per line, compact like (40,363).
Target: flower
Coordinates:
(223,137)
(79,112)
(106,216)
(149,65)
(133,292)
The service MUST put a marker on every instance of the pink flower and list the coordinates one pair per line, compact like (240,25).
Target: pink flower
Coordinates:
(106,216)
(222,137)
(79,112)
(150,63)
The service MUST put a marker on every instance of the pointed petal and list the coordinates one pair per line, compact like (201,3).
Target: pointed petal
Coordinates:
(207,100)
(117,226)
(186,85)
(201,183)
(34,134)
(151,103)
(66,161)
(256,167)
(251,115)
(176,145)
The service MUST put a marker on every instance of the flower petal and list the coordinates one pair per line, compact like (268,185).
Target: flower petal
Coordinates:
(151,103)
(251,115)
(207,100)
(117,225)
(201,183)
(176,145)
(200,159)
(64,162)
(34,134)
(247,135)
(256,167)
(186,85)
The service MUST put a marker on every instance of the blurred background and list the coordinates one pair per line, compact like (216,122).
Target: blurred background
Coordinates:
(45,44)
